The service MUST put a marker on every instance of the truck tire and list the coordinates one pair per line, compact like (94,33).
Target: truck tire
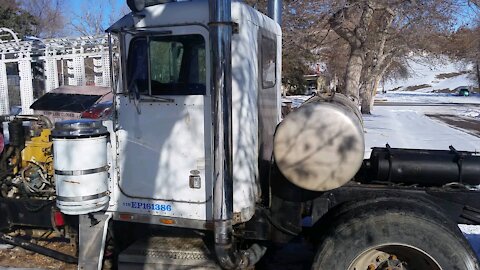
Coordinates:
(376,237)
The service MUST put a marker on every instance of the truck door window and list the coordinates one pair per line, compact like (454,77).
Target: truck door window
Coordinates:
(166,61)
(137,67)
(269,63)
(176,65)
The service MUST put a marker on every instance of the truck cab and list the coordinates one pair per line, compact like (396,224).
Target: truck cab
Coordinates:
(164,111)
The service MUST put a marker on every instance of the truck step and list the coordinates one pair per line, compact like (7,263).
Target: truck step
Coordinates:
(163,252)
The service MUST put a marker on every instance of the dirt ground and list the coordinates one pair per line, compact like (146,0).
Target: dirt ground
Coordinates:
(19,257)
(470,125)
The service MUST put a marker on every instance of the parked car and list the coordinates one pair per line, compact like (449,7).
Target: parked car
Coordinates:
(464,92)
(73,102)
(102,110)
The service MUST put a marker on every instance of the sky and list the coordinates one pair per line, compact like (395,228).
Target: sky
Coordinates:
(467,15)
(111,10)
(76,4)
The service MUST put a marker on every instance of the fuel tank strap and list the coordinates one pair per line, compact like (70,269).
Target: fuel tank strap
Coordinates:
(81,172)
(82,198)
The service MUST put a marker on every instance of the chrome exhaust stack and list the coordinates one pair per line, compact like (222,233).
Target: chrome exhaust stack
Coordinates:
(221,80)
(275,10)
(220,28)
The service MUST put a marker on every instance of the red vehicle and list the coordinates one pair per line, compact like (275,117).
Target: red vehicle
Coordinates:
(74,102)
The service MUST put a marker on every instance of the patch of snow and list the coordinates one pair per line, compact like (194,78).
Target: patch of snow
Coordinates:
(425,72)
(472,233)
(296,100)
(404,127)
(472,113)
(469,229)
(419,97)
(454,82)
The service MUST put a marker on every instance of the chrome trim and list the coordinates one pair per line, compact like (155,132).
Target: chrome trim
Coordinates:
(82,172)
(110,63)
(165,26)
(159,199)
(82,198)
(221,87)
(275,10)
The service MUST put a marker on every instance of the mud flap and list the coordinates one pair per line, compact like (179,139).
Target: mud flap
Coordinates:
(92,237)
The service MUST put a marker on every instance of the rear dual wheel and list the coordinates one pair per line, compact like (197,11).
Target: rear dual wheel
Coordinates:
(397,237)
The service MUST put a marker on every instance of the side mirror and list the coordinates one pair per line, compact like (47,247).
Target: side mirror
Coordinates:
(136,5)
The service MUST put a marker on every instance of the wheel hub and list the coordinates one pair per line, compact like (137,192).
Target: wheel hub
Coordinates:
(394,257)
(390,262)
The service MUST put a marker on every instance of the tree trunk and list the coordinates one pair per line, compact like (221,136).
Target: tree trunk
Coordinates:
(368,94)
(366,97)
(374,91)
(353,74)
(365,104)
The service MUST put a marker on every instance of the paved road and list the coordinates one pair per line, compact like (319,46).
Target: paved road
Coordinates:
(470,125)
(410,127)
(416,104)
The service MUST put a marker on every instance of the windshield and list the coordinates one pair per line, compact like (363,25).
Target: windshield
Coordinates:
(167,65)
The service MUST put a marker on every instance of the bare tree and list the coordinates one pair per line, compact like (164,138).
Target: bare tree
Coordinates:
(379,32)
(95,16)
(464,45)
(351,23)
(49,15)
(360,41)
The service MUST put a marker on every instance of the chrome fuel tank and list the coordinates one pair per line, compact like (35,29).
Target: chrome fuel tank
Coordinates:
(320,146)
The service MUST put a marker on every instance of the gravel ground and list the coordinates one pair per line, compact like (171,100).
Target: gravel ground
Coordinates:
(16,257)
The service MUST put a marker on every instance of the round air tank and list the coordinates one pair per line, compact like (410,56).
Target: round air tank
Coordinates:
(320,146)
(80,163)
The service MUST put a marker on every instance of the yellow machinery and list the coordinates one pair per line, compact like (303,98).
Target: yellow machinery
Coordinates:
(38,149)
(37,156)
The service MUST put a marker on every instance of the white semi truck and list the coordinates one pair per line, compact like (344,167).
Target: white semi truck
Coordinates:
(197,170)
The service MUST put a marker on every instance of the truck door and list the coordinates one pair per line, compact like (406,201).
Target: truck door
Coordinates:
(164,121)
(268,116)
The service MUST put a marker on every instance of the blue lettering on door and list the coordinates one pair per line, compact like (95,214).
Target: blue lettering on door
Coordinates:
(149,206)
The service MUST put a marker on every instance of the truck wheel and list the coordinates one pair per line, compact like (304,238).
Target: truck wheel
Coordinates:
(406,238)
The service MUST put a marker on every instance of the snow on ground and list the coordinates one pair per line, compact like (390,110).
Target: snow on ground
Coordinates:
(295,100)
(420,97)
(472,233)
(408,127)
(426,72)
(472,113)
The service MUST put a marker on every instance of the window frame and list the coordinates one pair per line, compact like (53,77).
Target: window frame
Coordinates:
(148,38)
(264,35)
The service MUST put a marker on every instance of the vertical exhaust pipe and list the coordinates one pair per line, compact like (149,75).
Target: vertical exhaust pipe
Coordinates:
(275,10)
(220,28)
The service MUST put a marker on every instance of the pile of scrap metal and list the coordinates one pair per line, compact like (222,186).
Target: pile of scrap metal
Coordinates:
(26,162)
(27,187)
